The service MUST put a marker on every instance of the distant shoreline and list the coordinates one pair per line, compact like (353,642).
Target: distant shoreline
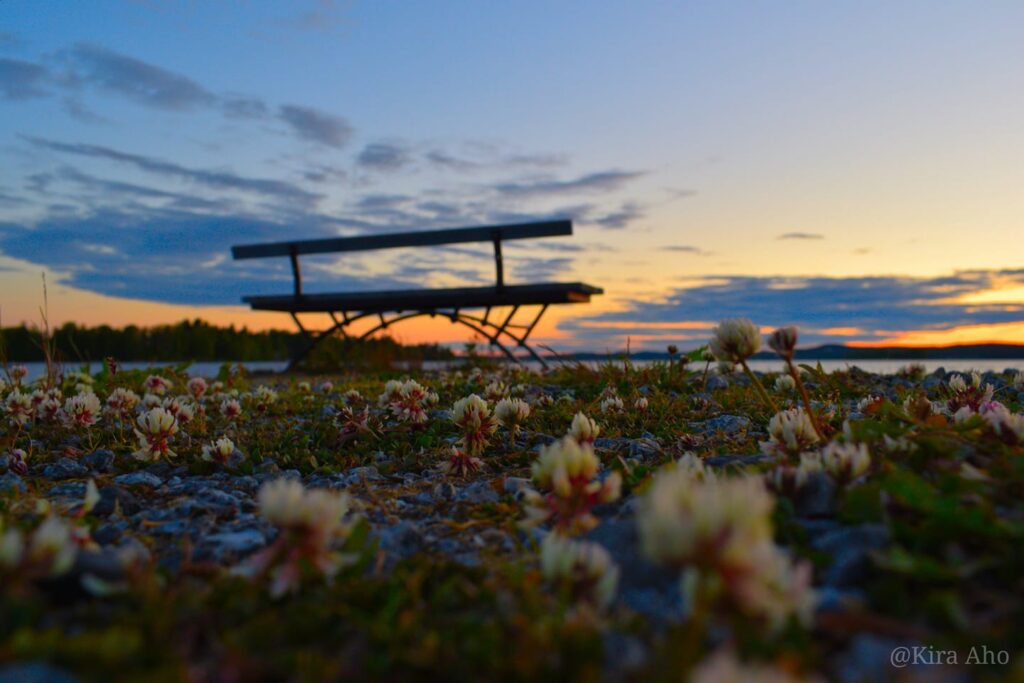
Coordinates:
(841,352)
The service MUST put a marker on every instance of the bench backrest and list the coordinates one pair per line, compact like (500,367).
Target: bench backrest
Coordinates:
(424,238)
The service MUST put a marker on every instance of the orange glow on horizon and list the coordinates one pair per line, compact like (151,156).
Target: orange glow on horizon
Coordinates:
(1000,333)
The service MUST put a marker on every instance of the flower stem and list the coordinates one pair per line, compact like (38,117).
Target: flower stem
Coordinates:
(759,387)
(805,398)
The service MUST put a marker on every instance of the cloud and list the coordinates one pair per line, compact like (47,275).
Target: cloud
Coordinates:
(686,249)
(492,158)
(219,180)
(240,107)
(316,126)
(604,181)
(616,220)
(800,236)
(139,81)
(384,157)
(20,80)
(876,304)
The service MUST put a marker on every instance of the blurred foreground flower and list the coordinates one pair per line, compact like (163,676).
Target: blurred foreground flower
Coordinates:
(309,523)
(791,432)
(583,430)
(584,569)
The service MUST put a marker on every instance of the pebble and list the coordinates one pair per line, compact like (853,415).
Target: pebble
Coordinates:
(65,468)
(138,479)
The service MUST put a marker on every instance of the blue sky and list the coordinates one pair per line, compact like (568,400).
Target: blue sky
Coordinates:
(800,152)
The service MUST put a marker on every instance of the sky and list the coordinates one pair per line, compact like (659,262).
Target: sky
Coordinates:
(853,168)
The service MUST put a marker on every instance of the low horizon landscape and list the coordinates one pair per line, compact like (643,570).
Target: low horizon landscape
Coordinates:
(577,341)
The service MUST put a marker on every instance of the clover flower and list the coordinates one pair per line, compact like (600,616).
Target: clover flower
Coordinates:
(410,402)
(150,401)
(326,387)
(352,397)
(309,522)
(17,374)
(353,424)
(17,461)
(495,391)
(122,402)
(230,408)
(1006,425)
(19,408)
(966,395)
(566,474)
(52,547)
(511,413)
(460,463)
(265,397)
(197,387)
(155,384)
(612,404)
(784,384)
(783,342)
(304,387)
(392,392)
(845,461)
(724,667)
(735,340)
(220,451)
(181,408)
(583,430)
(791,432)
(583,568)
(640,404)
(155,429)
(49,409)
(82,410)
(473,417)
(719,530)
(545,400)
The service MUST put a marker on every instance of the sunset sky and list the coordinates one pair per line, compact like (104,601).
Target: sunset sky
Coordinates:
(855,168)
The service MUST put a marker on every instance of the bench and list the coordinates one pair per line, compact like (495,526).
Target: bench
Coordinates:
(346,308)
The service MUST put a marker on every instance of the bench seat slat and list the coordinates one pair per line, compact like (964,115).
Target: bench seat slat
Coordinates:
(427,299)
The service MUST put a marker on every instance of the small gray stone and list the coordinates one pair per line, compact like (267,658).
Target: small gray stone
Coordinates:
(476,493)
(225,544)
(65,468)
(728,424)
(716,383)
(402,539)
(138,479)
(101,460)
(12,483)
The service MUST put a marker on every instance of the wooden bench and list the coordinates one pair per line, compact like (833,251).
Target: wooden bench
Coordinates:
(345,308)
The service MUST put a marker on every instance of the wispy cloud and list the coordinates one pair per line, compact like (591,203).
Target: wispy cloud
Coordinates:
(621,218)
(135,79)
(316,126)
(381,156)
(686,249)
(222,180)
(604,181)
(801,236)
(20,80)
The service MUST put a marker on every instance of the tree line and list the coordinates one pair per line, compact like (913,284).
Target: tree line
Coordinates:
(195,340)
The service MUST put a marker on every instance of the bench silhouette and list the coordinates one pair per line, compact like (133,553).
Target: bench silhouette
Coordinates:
(345,308)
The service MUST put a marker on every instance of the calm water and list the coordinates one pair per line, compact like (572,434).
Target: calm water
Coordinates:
(210,369)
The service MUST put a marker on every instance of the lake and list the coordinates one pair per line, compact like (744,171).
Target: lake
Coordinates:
(210,368)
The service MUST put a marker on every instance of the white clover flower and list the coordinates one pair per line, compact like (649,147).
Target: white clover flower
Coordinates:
(963,414)
(784,384)
(391,393)
(724,667)
(568,472)
(197,387)
(326,387)
(150,401)
(220,451)
(155,384)
(511,412)
(583,429)
(791,432)
(19,407)
(777,589)
(121,402)
(845,461)
(585,568)
(82,410)
(181,407)
(287,504)
(1007,425)
(53,544)
(1018,381)
(304,387)
(18,373)
(809,464)
(352,396)
(472,415)
(496,390)
(683,519)
(640,404)
(231,408)
(155,429)
(92,496)
(264,395)
(735,340)
(612,404)
(409,402)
